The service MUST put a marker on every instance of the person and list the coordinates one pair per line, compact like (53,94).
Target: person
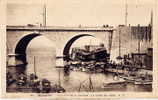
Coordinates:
(36,85)
(67,68)
(21,82)
(10,79)
(46,86)
(22,79)
(115,76)
(33,78)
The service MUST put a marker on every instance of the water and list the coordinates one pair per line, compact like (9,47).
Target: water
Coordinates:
(77,81)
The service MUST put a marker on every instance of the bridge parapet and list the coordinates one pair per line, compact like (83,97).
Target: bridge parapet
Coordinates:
(59,28)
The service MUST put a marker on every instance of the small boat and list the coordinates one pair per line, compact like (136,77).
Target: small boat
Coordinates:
(127,78)
(116,84)
(136,80)
(59,89)
(142,82)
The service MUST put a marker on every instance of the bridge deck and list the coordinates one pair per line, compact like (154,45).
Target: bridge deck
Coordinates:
(61,28)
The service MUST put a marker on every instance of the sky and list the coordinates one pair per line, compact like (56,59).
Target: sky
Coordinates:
(79,12)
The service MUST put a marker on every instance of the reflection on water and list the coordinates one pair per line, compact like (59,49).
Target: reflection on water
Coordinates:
(77,81)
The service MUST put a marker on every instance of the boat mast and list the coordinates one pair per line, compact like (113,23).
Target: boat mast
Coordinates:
(138,39)
(119,33)
(110,41)
(34,64)
(151,22)
(119,42)
(59,78)
(90,83)
(126,12)
(44,15)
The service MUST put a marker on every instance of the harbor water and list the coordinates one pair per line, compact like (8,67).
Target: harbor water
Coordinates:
(78,81)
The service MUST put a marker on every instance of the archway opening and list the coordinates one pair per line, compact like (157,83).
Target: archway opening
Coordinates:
(41,58)
(84,49)
(34,53)
(69,44)
(20,49)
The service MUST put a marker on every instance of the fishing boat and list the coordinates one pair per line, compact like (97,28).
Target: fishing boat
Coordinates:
(142,82)
(127,78)
(136,79)
(114,84)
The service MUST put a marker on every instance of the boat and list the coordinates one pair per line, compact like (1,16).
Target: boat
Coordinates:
(98,53)
(142,82)
(136,80)
(127,78)
(114,84)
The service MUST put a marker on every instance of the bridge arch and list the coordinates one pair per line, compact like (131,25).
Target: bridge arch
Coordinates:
(69,44)
(21,46)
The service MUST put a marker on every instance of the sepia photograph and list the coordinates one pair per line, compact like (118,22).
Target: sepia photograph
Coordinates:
(79,46)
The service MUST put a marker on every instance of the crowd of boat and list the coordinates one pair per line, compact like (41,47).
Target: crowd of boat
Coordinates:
(127,73)
(122,74)
(31,83)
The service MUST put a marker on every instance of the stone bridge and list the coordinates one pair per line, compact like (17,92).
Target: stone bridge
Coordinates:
(18,38)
